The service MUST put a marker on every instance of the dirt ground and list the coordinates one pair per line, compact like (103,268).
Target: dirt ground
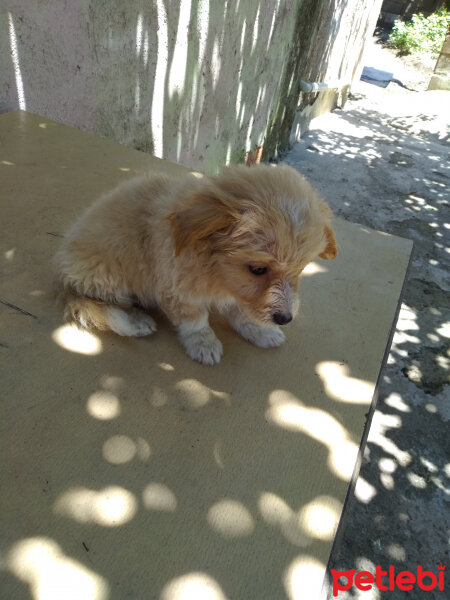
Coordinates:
(383,161)
(415,69)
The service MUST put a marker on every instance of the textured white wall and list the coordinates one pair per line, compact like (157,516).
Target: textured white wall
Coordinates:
(342,29)
(193,81)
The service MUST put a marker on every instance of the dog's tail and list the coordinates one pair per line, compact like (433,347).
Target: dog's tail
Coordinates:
(85,312)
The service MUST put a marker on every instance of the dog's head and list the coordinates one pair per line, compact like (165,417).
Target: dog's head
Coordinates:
(256,229)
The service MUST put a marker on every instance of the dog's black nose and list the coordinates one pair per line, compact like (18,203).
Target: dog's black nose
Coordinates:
(281,318)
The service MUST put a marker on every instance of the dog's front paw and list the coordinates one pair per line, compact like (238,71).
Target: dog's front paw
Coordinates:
(203,346)
(261,335)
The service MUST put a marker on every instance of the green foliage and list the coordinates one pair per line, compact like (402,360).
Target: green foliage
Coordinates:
(421,34)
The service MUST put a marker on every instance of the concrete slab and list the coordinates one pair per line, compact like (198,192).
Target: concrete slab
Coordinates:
(131,472)
(383,162)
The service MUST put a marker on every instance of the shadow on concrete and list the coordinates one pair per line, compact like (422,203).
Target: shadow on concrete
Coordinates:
(391,173)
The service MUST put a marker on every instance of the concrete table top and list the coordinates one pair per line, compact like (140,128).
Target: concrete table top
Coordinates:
(129,472)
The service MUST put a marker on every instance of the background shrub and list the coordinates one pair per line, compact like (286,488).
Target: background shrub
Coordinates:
(421,34)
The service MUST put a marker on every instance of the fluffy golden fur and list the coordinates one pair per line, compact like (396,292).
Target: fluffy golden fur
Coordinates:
(236,242)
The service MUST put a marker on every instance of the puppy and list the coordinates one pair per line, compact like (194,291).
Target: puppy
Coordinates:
(236,242)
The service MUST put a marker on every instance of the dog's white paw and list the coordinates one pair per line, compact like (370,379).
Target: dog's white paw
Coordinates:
(261,335)
(131,324)
(203,346)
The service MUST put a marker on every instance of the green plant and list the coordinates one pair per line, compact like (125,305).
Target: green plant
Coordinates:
(421,34)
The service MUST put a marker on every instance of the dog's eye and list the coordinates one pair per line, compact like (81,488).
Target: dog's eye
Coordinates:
(257,270)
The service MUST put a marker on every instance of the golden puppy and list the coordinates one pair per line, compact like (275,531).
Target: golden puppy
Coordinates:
(236,242)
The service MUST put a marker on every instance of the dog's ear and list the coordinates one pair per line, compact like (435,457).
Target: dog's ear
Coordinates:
(330,251)
(195,226)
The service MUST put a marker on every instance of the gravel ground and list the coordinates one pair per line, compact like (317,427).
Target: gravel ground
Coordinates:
(383,162)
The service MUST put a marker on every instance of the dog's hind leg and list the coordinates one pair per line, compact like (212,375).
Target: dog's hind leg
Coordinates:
(132,322)
(95,314)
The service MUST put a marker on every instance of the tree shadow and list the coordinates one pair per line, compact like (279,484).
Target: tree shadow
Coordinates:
(375,173)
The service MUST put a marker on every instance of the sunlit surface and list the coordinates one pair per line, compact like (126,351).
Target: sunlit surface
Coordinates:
(77,340)
(396,552)
(110,507)
(139,35)
(230,518)
(417,480)
(103,405)
(143,449)
(166,367)
(387,481)
(342,458)
(217,452)
(16,63)
(444,329)
(193,393)
(52,575)
(216,64)
(304,577)
(272,25)
(316,520)
(407,319)
(159,81)
(396,401)
(202,29)
(157,496)
(9,254)
(343,388)
(276,512)
(119,449)
(387,465)
(146,47)
(193,586)
(238,106)
(314,268)
(255,29)
(379,435)
(274,509)
(177,72)
(364,491)
(430,466)
(111,382)
(288,412)
(319,518)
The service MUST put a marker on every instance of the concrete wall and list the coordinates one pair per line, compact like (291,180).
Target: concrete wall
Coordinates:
(441,77)
(201,82)
(193,81)
(331,38)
